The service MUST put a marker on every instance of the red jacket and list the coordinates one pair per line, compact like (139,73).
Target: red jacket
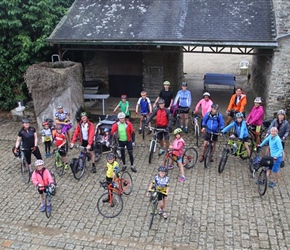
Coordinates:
(129,129)
(91,133)
(41,177)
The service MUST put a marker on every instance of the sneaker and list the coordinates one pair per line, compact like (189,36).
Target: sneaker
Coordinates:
(186,130)
(124,168)
(201,158)
(282,164)
(133,169)
(66,166)
(182,179)
(150,131)
(161,152)
(48,208)
(272,184)
(42,208)
(106,199)
(164,215)
(140,131)
(48,155)
(160,211)
(211,158)
(170,167)
(94,170)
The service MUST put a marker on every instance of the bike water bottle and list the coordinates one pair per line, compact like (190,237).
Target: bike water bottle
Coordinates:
(119,153)
(235,147)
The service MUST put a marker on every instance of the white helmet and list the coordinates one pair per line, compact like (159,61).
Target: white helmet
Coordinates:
(121,115)
(258,100)
(206,94)
(38,163)
(281,112)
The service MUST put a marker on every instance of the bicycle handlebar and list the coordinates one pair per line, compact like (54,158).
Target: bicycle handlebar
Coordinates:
(157,129)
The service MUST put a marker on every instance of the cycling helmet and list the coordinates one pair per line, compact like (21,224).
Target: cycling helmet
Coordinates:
(45,123)
(124,96)
(116,169)
(166,83)
(110,156)
(215,106)
(84,114)
(25,120)
(121,115)
(58,127)
(38,163)
(17,153)
(281,112)
(240,115)
(161,101)
(106,130)
(206,94)
(177,131)
(59,106)
(184,84)
(258,100)
(162,169)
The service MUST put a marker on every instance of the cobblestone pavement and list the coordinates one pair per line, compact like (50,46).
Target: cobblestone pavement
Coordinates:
(207,211)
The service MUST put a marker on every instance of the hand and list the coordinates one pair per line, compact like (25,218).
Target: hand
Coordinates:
(232,136)
(275,158)
(34,148)
(39,185)
(88,147)
(202,130)
(154,105)
(107,144)
(15,151)
(228,112)
(71,145)
(52,185)
(170,147)
(150,113)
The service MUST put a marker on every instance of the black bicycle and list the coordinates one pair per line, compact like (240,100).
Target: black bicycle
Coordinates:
(49,192)
(79,164)
(153,142)
(196,129)
(208,153)
(144,121)
(24,167)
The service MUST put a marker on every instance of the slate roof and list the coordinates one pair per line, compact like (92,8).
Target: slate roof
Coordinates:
(166,22)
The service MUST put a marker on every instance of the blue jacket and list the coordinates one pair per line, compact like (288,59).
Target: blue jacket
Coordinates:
(183,98)
(275,144)
(241,129)
(213,123)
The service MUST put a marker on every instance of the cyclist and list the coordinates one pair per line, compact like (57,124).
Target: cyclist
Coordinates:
(241,130)
(205,103)
(62,117)
(237,104)
(183,98)
(86,132)
(283,127)
(276,151)
(124,106)
(28,137)
(124,130)
(40,178)
(163,121)
(161,182)
(60,142)
(46,138)
(166,94)
(213,122)
(255,118)
(145,108)
(112,168)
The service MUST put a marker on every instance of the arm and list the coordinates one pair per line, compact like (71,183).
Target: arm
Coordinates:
(127,107)
(176,98)
(197,106)
(151,116)
(287,130)
(243,104)
(35,139)
(91,134)
(77,131)
(231,103)
(189,99)
(49,177)
(222,123)
(227,128)
(157,99)
(243,128)
(266,140)
(271,126)
(116,108)
(18,140)
(169,118)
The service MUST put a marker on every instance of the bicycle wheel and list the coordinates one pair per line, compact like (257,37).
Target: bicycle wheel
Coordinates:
(196,133)
(154,211)
(98,151)
(251,162)
(166,162)
(79,167)
(152,146)
(262,182)
(110,210)
(54,181)
(223,160)
(58,165)
(48,205)
(143,128)
(25,171)
(178,121)
(189,158)
(207,156)
(126,183)
(67,142)
(244,154)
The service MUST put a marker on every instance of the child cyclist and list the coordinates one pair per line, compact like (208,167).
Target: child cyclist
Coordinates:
(60,142)
(112,171)
(124,106)
(241,130)
(177,148)
(46,138)
(161,182)
(41,178)
(145,109)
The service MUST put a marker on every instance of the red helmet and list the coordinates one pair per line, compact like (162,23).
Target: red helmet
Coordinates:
(45,123)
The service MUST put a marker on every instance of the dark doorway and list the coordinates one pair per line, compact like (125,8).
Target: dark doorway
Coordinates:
(125,74)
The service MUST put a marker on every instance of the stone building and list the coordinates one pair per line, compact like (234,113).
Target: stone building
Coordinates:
(135,45)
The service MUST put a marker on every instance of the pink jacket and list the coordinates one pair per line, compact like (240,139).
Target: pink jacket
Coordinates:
(256,116)
(41,177)
(177,146)
(205,106)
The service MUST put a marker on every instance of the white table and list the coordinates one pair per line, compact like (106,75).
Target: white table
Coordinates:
(97,97)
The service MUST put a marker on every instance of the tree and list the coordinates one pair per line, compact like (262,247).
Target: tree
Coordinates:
(24,26)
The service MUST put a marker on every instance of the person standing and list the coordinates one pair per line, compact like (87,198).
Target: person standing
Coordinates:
(166,94)
(124,131)
(183,98)
(86,132)
(205,103)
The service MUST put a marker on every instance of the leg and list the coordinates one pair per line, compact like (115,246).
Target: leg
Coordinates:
(203,151)
(186,120)
(229,120)
(180,165)
(182,120)
(130,152)
(247,148)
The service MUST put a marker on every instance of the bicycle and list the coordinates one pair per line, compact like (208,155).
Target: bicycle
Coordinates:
(79,164)
(144,120)
(58,163)
(122,185)
(234,147)
(49,190)
(189,158)
(24,167)
(209,148)
(194,122)
(154,200)
(153,142)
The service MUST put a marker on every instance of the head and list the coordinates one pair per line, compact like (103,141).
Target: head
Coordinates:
(206,96)
(177,132)
(258,101)
(58,128)
(25,123)
(121,117)
(143,94)
(45,125)
(281,115)
(273,131)
(214,108)
(84,117)
(162,171)
(110,157)
(166,84)
(39,164)
(239,91)
(161,103)
(124,98)
(239,117)
(184,86)
(59,108)
(107,130)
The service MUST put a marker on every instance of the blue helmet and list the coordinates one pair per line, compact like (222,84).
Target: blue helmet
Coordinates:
(240,115)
